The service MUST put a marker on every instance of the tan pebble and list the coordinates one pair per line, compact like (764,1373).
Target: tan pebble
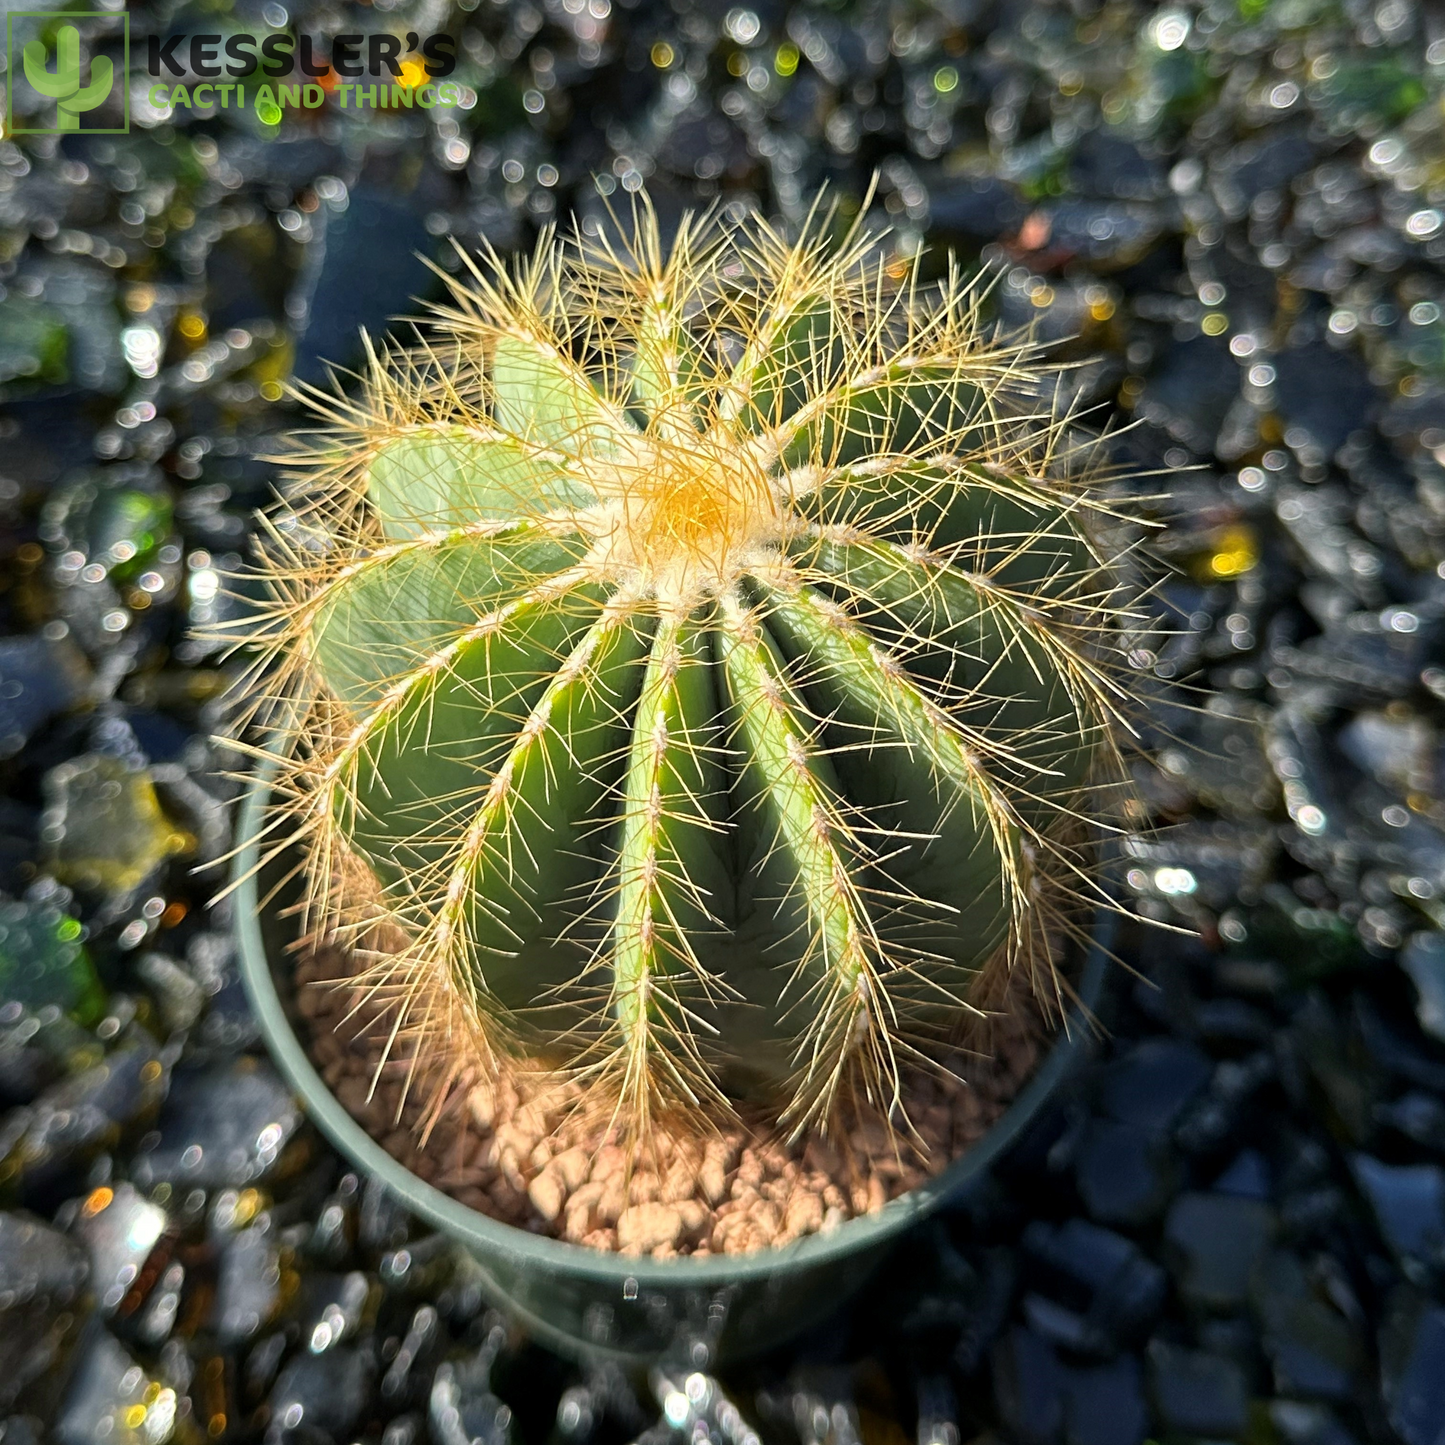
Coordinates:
(645,1188)
(530,1123)
(833,1198)
(352,1092)
(877,1196)
(723,1148)
(612,1201)
(588,1194)
(713,1179)
(664,1251)
(750,1170)
(573,1165)
(506,1196)
(646,1227)
(766,1222)
(776,1189)
(548,1194)
(832,1218)
(510,1137)
(729,1234)
(804,1213)
(541,1156)
(680,1183)
(608,1162)
(773,1160)
(581,1221)
(694,1215)
(511,1168)
(605,1239)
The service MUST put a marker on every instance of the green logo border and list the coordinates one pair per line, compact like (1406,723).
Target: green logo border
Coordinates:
(12,71)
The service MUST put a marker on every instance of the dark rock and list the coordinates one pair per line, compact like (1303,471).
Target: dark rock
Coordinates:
(1212,1121)
(1315,1350)
(1124,1173)
(1191,391)
(42,1279)
(1263,163)
(1324,392)
(1248,1177)
(404,1372)
(1104,1404)
(1423,958)
(1197,1393)
(1392,1051)
(1412,1368)
(463,1410)
(325,1394)
(248,1286)
(1409,1205)
(1233,1021)
(1118,231)
(1151,1084)
(1216,1241)
(221,1128)
(1107,164)
(1028,1386)
(1299,1423)
(980,207)
(110,1399)
(1090,1290)
(1418,1116)
(363,273)
(988,1309)
(44,1144)
(43,961)
(38,678)
(38,1263)
(383,1223)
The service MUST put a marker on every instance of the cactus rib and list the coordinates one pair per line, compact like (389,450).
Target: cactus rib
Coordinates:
(661,905)
(840,970)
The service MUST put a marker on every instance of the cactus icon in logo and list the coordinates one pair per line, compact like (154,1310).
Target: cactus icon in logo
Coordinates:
(74,95)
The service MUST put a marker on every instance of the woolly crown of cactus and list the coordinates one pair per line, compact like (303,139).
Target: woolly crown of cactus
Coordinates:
(702,652)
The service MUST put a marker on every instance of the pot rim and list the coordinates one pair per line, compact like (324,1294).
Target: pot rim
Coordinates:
(474,1228)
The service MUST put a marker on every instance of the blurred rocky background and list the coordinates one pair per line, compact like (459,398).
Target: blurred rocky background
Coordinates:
(1232,215)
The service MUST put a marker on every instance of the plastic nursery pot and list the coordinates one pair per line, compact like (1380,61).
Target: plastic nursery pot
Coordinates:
(585,1302)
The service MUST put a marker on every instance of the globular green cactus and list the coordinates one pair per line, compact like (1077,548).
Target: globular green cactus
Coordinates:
(702,653)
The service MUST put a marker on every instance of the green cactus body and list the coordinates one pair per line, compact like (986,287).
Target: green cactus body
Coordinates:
(707,657)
